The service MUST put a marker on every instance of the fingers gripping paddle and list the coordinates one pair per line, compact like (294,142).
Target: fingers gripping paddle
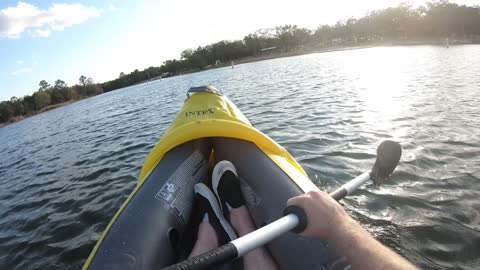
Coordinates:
(388,156)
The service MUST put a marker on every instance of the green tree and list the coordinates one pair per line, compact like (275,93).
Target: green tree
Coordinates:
(67,93)
(59,84)
(6,111)
(28,105)
(82,80)
(187,54)
(42,99)
(194,58)
(56,92)
(290,36)
(44,85)
(17,106)
(260,39)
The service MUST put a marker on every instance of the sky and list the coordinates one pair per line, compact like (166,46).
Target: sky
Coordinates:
(50,40)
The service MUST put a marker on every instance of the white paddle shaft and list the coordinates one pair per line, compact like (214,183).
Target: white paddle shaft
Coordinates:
(271,231)
(352,185)
(265,234)
(242,245)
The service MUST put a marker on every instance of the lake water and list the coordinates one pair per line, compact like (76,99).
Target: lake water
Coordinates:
(64,173)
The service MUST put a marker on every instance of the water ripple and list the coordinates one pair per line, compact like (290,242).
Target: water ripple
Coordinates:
(65,172)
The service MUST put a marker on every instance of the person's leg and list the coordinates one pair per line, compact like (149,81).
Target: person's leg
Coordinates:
(214,230)
(227,188)
(243,224)
(206,239)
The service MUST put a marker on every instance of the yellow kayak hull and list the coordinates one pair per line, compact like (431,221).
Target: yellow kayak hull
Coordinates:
(210,114)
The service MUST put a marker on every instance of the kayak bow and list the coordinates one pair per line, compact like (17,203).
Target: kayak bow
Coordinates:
(156,225)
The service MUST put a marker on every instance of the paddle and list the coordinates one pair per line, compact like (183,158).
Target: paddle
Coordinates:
(388,156)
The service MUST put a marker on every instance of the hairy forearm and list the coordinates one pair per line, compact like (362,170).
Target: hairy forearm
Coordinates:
(362,250)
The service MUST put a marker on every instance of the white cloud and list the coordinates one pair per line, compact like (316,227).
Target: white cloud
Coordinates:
(20,62)
(41,22)
(41,33)
(22,70)
(111,7)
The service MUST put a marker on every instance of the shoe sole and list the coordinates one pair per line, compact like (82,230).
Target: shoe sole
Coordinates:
(218,171)
(203,190)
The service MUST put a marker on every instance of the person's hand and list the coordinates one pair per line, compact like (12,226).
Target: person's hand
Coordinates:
(323,213)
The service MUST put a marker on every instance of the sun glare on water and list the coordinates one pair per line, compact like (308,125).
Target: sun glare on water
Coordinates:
(380,79)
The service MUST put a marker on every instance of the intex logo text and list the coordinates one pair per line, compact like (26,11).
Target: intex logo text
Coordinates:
(202,112)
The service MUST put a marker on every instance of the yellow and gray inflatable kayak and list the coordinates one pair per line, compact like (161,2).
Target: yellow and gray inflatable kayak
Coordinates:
(156,226)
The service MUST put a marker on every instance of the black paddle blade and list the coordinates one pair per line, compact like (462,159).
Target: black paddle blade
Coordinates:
(388,156)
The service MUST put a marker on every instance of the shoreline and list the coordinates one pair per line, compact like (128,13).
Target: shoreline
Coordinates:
(251,59)
(313,50)
(45,109)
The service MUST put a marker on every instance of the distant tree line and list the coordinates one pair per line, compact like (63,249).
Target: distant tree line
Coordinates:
(134,77)
(46,97)
(434,21)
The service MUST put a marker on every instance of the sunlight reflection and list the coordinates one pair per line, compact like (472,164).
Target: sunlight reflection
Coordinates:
(380,79)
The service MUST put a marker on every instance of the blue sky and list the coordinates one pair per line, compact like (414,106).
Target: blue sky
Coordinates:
(52,40)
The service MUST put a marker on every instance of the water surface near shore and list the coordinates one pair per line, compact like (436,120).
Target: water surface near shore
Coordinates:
(65,172)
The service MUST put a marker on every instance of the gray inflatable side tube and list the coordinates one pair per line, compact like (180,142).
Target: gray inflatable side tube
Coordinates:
(147,231)
(266,189)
